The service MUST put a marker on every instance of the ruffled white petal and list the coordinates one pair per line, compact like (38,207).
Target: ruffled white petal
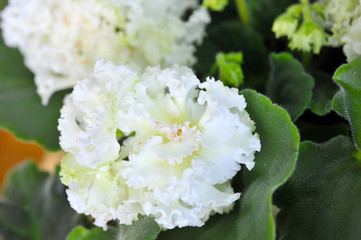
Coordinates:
(100,193)
(182,143)
(188,202)
(88,123)
(62,39)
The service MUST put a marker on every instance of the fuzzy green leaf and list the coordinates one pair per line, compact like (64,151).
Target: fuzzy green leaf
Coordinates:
(81,233)
(289,85)
(252,217)
(322,198)
(347,101)
(34,206)
(338,103)
(323,92)
(21,111)
(145,228)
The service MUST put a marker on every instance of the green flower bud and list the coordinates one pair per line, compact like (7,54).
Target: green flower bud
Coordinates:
(308,37)
(285,25)
(229,66)
(215,5)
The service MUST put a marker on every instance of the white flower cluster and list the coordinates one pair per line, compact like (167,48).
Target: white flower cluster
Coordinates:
(62,39)
(352,40)
(161,144)
(343,19)
(339,14)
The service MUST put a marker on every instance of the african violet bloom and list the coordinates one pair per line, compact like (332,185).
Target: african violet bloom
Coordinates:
(338,17)
(62,39)
(343,19)
(352,40)
(160,144)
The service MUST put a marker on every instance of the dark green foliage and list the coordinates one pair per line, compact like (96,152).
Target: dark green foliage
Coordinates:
(289,85)
(322,198)
(21,111)
(34,206)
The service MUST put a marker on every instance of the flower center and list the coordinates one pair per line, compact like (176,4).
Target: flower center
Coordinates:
(180,141)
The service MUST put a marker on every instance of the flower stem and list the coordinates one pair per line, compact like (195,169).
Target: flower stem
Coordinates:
(306,60)
(242,11)
(306,9)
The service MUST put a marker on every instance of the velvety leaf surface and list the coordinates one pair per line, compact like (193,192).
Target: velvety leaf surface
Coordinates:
(232,36)
(323,93)
(252,217)
(21,111)
(34,206)
(289,85)
(145,228)
(322,198)
(348,101)
(81,233)
(338,103)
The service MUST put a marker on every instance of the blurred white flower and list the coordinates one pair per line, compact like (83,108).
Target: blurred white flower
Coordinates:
(62,39)
(182,142)
(352,40)
(338,17)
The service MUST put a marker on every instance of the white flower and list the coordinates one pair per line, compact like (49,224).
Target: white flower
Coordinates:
(101,193)
(88,123)
(62,39)
(339,15)
(190,142)
(157,34)
(352,40)
(185,141)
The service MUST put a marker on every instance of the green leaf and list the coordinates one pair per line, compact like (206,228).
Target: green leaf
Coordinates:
(252,217)
(230,71)
(347,101)
(323,93)
(338,103)
(231,36)
(145,228)
(81,233)
(21,111)
(289,85)
(322,198)
(34,206)
(3,4)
